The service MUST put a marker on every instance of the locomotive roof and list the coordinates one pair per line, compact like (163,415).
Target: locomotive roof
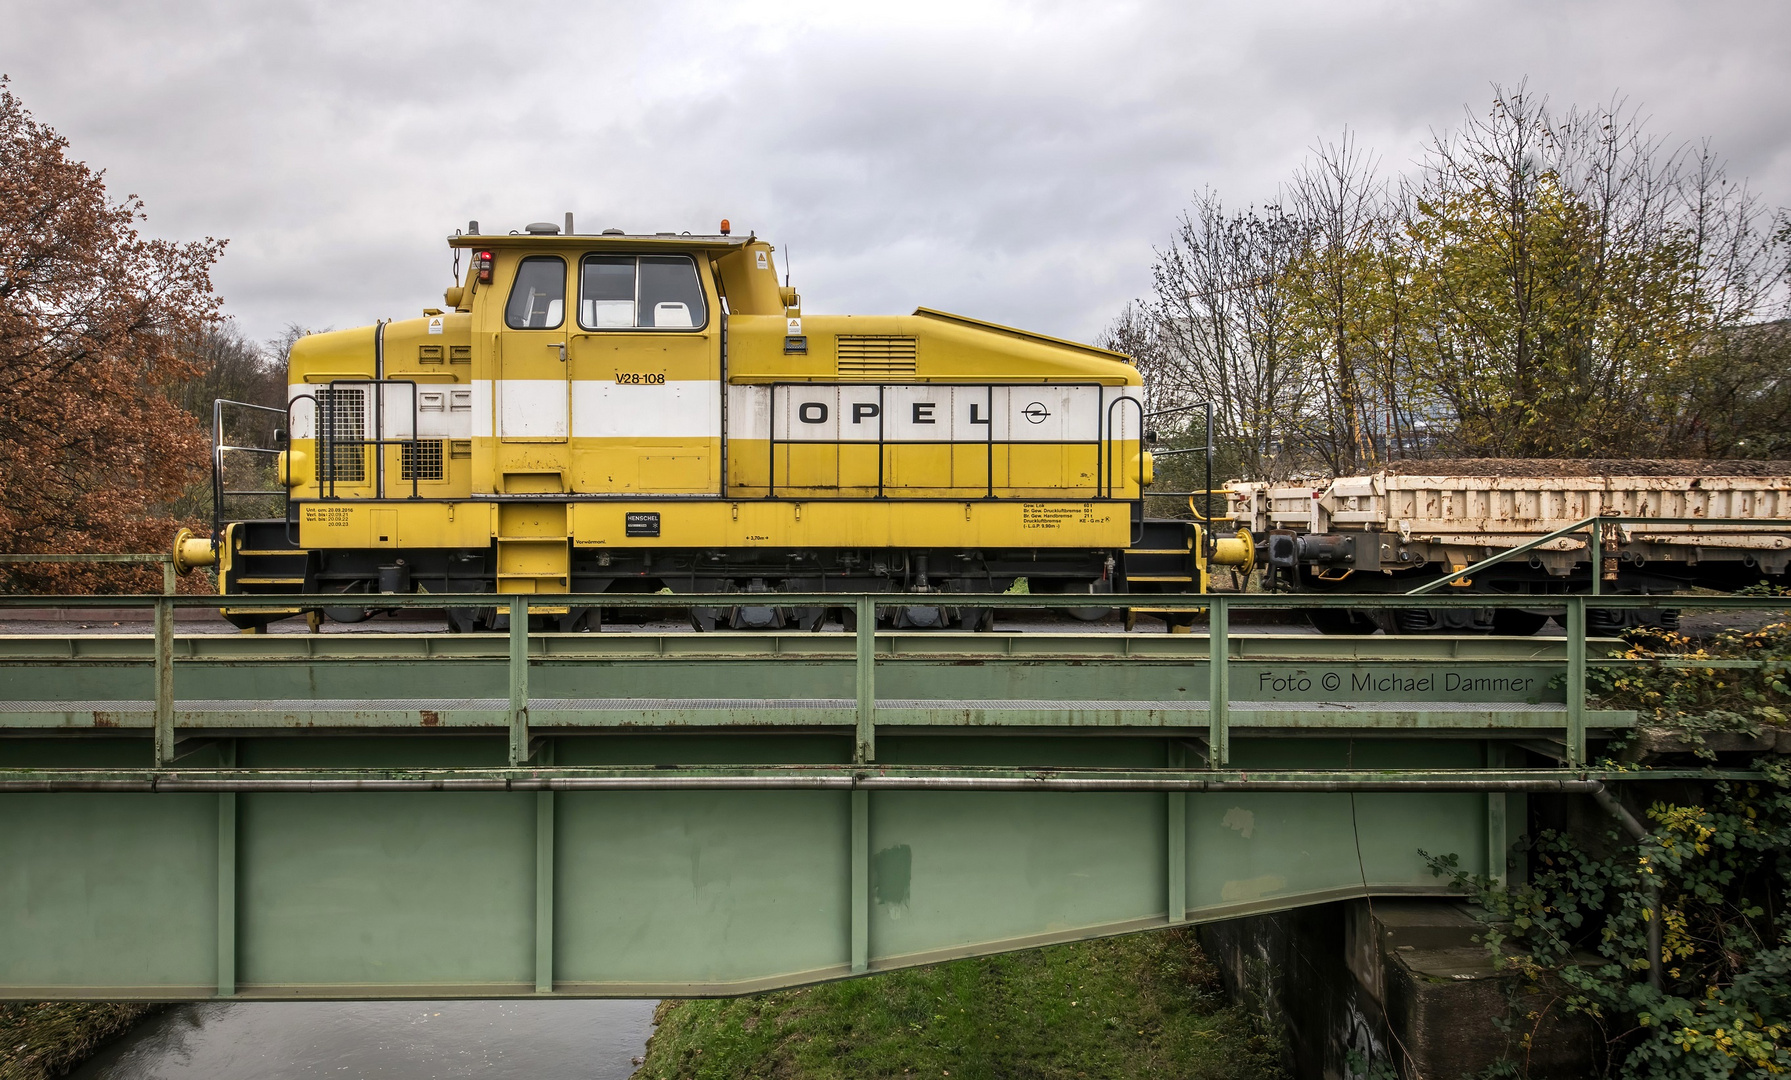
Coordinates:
(609,241)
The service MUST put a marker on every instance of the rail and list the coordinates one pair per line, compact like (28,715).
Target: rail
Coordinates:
(1220,607)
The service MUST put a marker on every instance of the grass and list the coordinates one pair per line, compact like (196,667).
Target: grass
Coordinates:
(1147,1005)
(48,1039)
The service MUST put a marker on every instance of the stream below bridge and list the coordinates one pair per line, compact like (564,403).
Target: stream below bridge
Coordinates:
(381,1040)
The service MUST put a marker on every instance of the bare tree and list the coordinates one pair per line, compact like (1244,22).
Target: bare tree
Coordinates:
(1731,396)
(1222,325)
(1343,205)
(1543,284)
(228,365)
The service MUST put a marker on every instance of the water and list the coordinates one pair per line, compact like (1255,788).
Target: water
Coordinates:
(384,1040)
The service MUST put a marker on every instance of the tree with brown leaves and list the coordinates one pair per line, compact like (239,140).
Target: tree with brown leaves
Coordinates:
(95,320)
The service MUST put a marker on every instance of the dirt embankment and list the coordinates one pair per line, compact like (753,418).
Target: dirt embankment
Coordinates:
(1546,467)
(38,1041)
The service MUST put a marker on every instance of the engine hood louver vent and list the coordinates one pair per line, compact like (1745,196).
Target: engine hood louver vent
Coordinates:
(873,356)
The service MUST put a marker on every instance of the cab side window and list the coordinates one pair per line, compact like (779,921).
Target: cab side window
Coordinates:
(606,292)
(538,299)
(648,292)
(670,295)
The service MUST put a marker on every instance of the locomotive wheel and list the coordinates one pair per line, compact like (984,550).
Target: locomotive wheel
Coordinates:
(581,619)
(980,620)
(848,616)
(1084,614)
(350,614)
(1517,622)
(467,620)
(1610,622)
(1341,621)
(1441,621)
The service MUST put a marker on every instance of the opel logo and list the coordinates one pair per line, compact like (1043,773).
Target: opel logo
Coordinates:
(1036,413)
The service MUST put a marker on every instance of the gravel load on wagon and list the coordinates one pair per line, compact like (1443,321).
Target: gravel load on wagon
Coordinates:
(1556,467)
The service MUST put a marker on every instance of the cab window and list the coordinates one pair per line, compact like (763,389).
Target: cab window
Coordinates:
(538,299)
(646,292)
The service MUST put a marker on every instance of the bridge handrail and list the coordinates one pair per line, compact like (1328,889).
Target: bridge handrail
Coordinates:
(1217,605)
(163,558)
(834,777)
(246,602)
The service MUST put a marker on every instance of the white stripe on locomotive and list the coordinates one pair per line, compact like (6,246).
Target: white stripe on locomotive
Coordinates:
(690,409)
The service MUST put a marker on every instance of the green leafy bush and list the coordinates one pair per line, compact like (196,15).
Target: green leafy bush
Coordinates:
(1578,934)
(1671,692)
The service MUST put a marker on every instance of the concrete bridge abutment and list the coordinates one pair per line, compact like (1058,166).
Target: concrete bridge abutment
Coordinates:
(1357,987)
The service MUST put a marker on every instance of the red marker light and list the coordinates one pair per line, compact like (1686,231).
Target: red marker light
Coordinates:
(482,263)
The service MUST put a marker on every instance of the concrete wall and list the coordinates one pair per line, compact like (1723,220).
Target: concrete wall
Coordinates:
(1400,983)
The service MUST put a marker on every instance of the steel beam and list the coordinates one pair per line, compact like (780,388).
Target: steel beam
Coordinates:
(1497,841)
(1176,840)
(1576,680)
(463,892)
(544,888)
(804,714)
(726,647)
(861,880)
(828,778)
(518,718)
(1218,681)
(164,682)
(865,673)
(227,876)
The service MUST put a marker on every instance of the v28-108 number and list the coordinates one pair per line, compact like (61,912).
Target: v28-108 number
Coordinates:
(637,378)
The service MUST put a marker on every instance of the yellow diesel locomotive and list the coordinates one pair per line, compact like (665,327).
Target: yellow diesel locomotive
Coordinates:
(592,413)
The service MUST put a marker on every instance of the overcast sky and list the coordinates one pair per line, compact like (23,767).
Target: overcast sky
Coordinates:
(1015,162)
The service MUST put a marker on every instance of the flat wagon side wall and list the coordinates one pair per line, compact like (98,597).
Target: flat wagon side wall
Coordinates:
(1496,509)
(1395,526)
(1504,507)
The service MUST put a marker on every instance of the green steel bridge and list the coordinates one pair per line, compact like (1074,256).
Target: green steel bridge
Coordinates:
(658,814)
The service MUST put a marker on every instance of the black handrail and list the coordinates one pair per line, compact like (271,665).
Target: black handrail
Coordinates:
(330,439)
(218,447)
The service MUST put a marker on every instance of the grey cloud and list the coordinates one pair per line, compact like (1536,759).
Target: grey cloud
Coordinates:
(1016,162)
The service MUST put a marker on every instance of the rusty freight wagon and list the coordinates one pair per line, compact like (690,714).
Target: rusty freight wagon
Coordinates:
(1411,524)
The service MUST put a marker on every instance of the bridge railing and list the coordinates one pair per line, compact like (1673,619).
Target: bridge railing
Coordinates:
(161,558)
(1220,608)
